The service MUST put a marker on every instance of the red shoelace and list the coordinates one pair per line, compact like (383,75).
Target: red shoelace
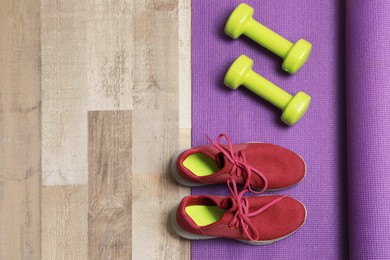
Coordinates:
(240,166)
(241,218)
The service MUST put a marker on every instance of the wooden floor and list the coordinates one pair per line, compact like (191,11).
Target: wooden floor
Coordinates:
(94,101)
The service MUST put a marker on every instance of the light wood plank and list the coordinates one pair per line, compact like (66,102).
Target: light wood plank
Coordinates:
(184,138)
(155,140)
(156,130)
(109,210)
(109,54)
(155,61)
(20,131)
(184,21)
(65,222)
(64,92)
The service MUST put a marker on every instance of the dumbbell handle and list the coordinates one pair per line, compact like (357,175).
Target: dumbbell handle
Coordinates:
(266,89)
(267,38)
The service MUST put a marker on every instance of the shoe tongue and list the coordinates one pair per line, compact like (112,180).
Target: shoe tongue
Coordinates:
(230,206)
(220,160)
(218,156)
(225,203)
(214,154)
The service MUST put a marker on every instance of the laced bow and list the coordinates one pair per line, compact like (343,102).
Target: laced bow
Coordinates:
(240,166)
(241,216)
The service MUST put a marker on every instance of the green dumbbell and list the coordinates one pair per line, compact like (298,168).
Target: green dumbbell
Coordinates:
(241,73)
(241,22)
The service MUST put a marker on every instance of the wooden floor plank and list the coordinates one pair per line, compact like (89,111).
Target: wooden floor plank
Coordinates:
(156,136)
(109,54)
(155,193)
(184,21)
(64,222)
(20,130)
(109,185)
(155,60)
(64,92)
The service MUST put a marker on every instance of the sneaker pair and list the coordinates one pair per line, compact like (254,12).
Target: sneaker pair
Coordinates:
(256,167)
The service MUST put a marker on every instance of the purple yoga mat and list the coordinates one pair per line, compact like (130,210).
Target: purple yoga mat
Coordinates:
(368,108)
(319,137)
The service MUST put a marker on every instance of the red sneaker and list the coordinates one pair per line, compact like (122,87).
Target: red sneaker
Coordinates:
(255,166)
(253,220)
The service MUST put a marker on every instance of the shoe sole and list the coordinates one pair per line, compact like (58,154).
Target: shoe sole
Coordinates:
(182,233)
